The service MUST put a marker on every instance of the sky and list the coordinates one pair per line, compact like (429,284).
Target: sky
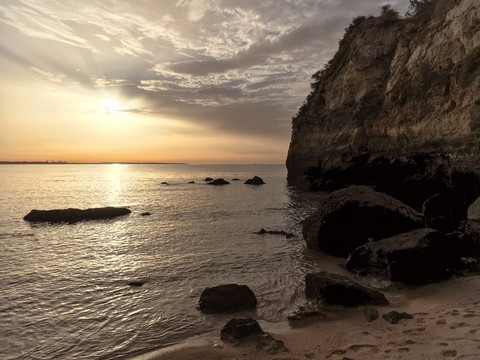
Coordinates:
(196,81)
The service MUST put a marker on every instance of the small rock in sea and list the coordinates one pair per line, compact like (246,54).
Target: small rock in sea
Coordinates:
(256,180)
(370,314)
(191,182)
(227,299)
(146,214)
(275,232)
(394,317)
(235,179)
(136,283)
(208,179)
(239,331)
(218,182)
(164,183)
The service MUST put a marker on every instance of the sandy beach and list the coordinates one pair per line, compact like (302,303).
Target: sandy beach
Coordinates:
(445,325)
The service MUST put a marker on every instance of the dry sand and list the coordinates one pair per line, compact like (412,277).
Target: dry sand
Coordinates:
(446,325)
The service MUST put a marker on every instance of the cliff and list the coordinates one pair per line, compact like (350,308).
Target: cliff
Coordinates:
(398,89)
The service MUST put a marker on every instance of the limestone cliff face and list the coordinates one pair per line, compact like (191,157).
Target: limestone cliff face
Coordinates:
(396,87)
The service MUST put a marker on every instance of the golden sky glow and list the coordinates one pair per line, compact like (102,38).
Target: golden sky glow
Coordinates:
(161,81)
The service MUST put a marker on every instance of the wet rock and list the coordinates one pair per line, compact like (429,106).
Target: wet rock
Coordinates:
(276,232)
(256,180)
(351,217)
(136,283)
(394,317)
(240,331)
(75,215)
(417,257)
(191,182)
(164,183)
(208,179)
(370,314)
(227,299)
(146,214)
(307,312)
(334,289)
(218,182)
(235,179)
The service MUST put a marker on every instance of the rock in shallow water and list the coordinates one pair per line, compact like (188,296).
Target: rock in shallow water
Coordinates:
(75,215)
(334,289)
(218,182)
(227,299)
(256,180)
(349,218)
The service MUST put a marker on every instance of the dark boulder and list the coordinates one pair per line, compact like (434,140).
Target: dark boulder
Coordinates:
(235,179)
(239,331)
(394,317)
(146,214)
(164,183)
(227,299)
(256,180)
(218,182)
(191,182)
(275,232)
(351,217)
(417,257)
(75,215)
(136,283)
(208,179)
(335,289)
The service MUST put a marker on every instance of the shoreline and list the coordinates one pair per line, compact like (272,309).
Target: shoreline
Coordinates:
(445,325)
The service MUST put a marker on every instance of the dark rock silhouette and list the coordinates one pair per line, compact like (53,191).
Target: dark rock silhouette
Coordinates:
(137,283)
(239,331)
(164,183)
(235,179)
(256,180)
(276,232)
(208,179)
(394,317)
(75,215)
(335,289)
(227,299)
(218,182)
(191,182)
(306,312)
(417,257)
(146,213)
(349,218)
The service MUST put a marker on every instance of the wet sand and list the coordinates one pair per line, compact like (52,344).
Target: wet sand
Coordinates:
(445,325)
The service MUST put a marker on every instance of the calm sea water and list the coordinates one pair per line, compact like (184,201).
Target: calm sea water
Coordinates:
(64,287)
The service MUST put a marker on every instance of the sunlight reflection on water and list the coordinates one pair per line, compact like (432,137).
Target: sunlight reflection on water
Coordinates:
(66,292)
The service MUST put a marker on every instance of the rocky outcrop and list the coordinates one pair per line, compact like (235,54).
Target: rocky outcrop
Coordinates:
(396,90)
(351,217)
(333,289)
(417,257)
(256,180)
(75,215)
(228,298)
(218,182)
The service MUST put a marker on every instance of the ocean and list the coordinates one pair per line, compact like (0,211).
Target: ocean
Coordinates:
(65,292)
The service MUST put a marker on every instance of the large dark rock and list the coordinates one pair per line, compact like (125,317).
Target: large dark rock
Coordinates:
(349,218)
(239,331)
(416,257)
(75,215)
(227,299)
(333,289)
(218,182)
(256,180)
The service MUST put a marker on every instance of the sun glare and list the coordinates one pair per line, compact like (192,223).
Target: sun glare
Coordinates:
(111,106)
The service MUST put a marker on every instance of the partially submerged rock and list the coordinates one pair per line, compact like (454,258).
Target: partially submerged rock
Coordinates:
(239,331)
(75,215)
(276,232)
(208,179)
(136,283)
(218,182)
(416,257)
(394,317)
(256,180)
(228,298)
(334,289)
(306,312)
(351,217)
(146,213)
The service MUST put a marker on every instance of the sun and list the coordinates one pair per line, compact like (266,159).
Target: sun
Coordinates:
(111,106)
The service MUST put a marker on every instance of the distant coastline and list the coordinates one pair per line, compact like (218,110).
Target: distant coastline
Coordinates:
(83,163)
